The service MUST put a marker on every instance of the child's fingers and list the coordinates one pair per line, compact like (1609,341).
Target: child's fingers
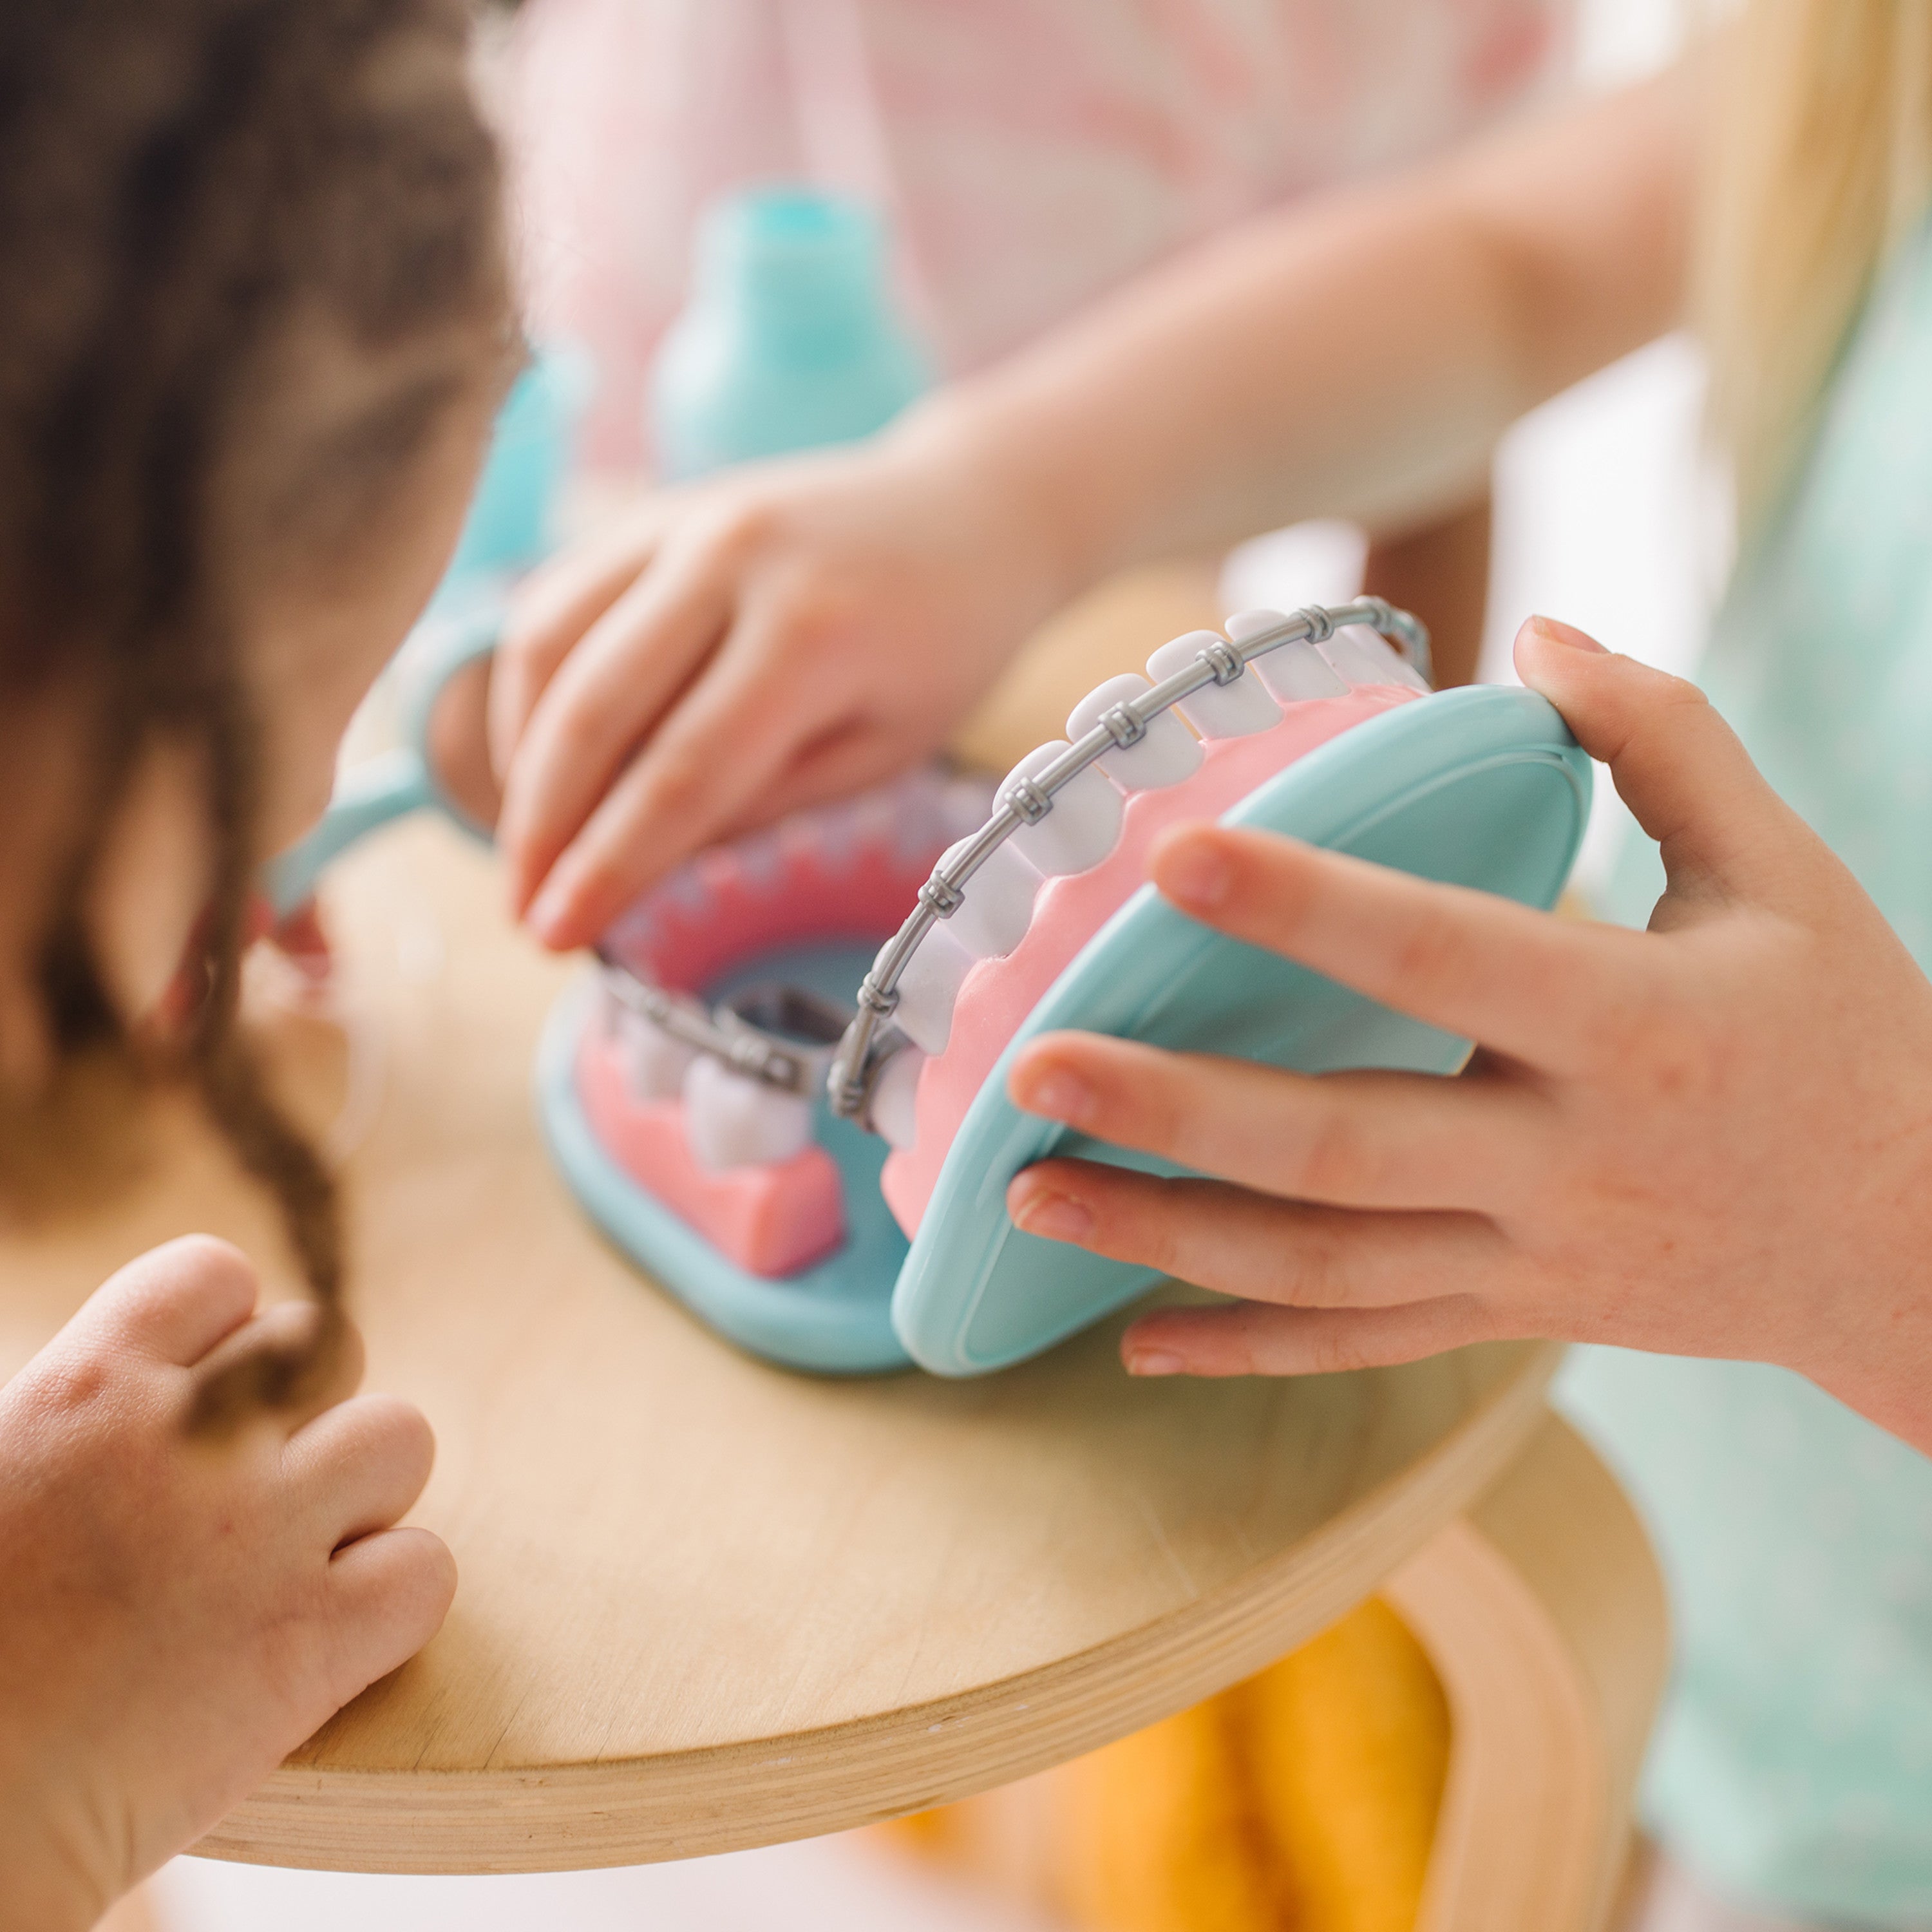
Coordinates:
(838,763)
(1251,1340)
(605,698)
(292,1328)
(718,752)
(551,613)
(175,1302)
(392,1590)
(1240,1242)
(1354,1140)
(360,1465)
(1677,765)
(1520,982)
(301,938)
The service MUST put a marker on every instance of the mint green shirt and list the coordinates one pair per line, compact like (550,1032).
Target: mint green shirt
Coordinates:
(1793,1765)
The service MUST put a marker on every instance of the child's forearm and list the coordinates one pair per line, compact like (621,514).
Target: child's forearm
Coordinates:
(1357,357)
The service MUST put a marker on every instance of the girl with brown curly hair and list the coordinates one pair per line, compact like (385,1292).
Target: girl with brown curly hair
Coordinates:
(254,324)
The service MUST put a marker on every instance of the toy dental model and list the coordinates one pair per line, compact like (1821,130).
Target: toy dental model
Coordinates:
(783,1093)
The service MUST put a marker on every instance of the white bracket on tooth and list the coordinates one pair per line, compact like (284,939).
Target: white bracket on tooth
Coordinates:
(994,920)
(1293,673)
(1232,708)
(1071,832)
(1161,751)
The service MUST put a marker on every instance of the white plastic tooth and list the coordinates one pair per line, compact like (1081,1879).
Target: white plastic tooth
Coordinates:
(929,987)
(1291,672)
(686,888)
(610,1011)
(1363,656)
(1215,710)
(894,1096)
(1352,660)
(834,833)
(733,1120)
(917,820)
(877,815)
(1084,824)
(997,905)
(655,1064)
(966,804)
(1167,755)
(761,857)
(833,836)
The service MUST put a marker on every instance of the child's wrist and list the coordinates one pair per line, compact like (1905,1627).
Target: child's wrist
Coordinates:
(46,1890)
(44,1874)
(980,448)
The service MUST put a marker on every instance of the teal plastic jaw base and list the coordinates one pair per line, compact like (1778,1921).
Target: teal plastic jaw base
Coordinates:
(834,1318)
(1483,787)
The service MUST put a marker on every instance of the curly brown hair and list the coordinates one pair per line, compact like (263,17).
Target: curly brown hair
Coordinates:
(205,204)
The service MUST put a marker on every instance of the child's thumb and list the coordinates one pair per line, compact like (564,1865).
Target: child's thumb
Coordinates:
(1676,764)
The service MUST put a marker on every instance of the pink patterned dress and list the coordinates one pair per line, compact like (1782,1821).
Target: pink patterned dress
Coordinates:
(1031,154)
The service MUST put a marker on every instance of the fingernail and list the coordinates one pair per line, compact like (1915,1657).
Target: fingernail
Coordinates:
(1058,1094)
(1153,1362)
(1558,632)
(1191,873)
(548,913)
(1055,1217)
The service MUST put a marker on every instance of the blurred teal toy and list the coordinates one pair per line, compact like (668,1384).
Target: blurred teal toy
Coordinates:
(438,673)
(792,337)
(512,521)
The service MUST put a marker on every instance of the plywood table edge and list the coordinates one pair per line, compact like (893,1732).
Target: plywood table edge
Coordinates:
(1544,1611)
(690,1803)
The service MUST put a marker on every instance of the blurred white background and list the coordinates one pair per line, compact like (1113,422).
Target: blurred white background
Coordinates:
(1604,518)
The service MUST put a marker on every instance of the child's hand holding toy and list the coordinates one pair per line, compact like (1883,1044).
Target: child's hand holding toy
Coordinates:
(1711,1139)
(781,635)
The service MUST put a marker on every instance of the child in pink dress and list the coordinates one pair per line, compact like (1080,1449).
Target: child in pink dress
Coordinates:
(1031,154)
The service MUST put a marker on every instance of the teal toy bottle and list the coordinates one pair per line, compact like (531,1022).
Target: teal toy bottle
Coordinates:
(791,338)
(510,524)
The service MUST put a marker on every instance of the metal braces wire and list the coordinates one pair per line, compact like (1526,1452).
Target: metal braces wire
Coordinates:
(780,1061)
(725,1033)
(869,1041)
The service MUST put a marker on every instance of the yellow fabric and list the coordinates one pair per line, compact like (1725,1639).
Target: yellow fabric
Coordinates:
(1302,1801)
(1159,1833)
(1349,1747)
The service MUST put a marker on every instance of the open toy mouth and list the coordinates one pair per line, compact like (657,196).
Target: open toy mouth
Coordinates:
(803,1133)
(707,1096)
(709,1102)
(806,1135)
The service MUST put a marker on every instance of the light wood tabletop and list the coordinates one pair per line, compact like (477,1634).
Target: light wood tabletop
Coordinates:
(705,1604)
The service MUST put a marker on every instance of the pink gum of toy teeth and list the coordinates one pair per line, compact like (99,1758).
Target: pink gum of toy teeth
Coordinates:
(843,872)
(771,1220)
(998,994)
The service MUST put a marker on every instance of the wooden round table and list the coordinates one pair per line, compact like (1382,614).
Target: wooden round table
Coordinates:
(705,1604)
